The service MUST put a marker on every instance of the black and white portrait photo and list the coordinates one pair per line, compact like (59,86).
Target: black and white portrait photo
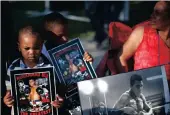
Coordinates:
(142,92)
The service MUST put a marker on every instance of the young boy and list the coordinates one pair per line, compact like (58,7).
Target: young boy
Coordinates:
(29,45)
(55,26)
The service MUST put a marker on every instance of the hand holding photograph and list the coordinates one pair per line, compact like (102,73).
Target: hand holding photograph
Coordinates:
(69,64)
(33,90)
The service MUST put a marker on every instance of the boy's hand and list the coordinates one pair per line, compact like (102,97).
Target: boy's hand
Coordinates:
(88,57)
(58,102)
(8,100)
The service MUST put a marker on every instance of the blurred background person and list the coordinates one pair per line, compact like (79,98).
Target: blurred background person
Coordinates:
(101,13)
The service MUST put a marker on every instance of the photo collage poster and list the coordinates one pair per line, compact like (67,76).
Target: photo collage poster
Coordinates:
(33,90)
(69,65)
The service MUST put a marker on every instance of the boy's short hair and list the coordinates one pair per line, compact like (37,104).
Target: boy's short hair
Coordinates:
(53,18)
(135,77)
(29,29)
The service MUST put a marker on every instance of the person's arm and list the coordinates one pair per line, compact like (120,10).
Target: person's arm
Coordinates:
(147,108)
(129,49)
(121,102)
(121,105)
(8,99)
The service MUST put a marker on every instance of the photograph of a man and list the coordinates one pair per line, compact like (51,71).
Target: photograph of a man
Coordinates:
(142,92)
(133,102)
(34,97)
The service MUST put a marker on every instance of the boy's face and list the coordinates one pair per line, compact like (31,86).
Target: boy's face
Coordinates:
(60,30)
(30,48)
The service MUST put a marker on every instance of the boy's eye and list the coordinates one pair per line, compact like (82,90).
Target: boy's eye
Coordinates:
(26,48)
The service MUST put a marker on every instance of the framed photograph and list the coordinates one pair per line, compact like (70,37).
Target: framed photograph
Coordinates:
(33,90)
(132,93)
(69,65)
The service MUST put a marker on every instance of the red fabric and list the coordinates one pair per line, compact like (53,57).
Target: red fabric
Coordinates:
(152,51)
(102,67)
(118,33)
(105,64)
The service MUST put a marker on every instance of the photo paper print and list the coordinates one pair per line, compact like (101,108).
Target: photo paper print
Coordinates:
(139,92)
(33,91)
(69,64)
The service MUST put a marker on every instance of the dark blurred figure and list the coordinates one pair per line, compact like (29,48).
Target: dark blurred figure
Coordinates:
(7,48)
(101,12)
(112,10)
(61,5)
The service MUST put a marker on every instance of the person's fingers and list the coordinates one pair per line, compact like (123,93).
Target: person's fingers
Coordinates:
(8,98)
(8,94)
(56,104)
(64,38)
(87,57)
(60,99)
(9,103)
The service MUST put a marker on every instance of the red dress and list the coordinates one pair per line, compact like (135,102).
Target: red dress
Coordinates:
(152,52)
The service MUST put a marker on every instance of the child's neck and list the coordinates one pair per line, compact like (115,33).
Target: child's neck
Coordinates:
(30,64)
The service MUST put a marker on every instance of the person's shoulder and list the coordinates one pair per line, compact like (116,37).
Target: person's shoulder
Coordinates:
(125,95)
(137,34)
(15,63)
(139,29)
